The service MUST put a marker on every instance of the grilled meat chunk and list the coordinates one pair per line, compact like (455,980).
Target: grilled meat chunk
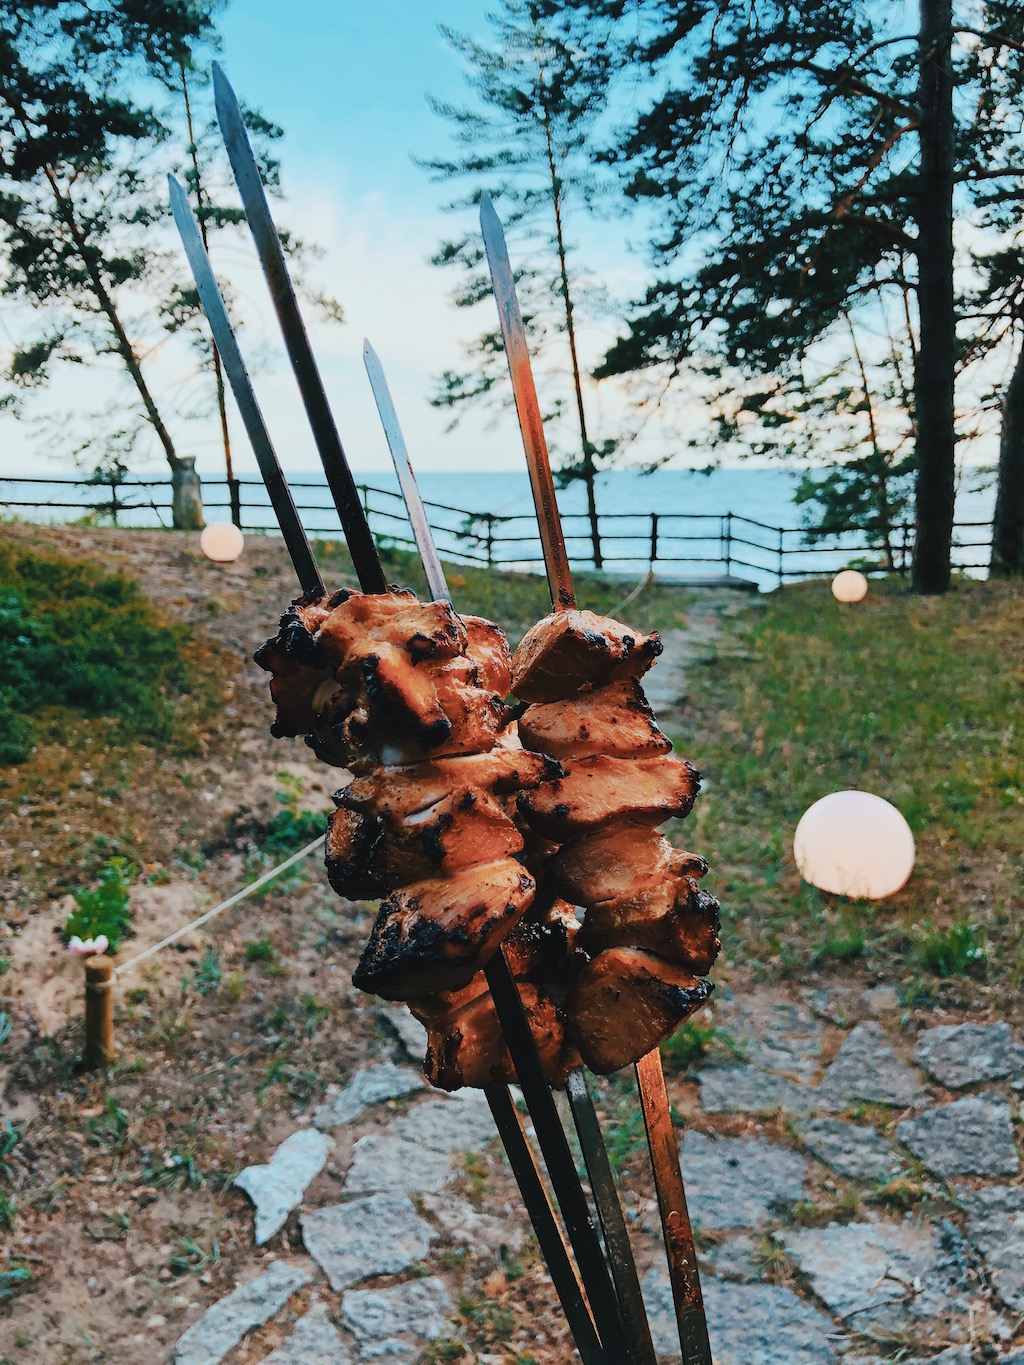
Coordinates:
(423,630)
(369,853)
(626,1002)
(570,650)
(488,649)
(669,917)
(607,863)
(598,791)
(615,720)
(435,935)
(466,1047)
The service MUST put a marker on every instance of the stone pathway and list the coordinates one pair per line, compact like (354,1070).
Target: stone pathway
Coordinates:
(855,1185)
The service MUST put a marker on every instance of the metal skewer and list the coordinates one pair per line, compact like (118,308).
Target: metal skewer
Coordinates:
(299,548)
(507,1118)
(300,353)
(679,1245)
(503,988)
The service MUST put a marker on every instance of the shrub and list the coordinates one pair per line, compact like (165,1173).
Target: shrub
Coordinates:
(103,909)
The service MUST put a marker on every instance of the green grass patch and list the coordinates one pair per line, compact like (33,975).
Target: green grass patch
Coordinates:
(74,637)
(920,700)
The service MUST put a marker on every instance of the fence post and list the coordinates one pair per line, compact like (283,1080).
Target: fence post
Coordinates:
(99,1013)
(727,543)
(654,538)
(490,539)
(235,498)
(782,577)
(114,504)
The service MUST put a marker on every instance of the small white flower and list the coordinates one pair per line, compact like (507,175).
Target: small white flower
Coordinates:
(89,947)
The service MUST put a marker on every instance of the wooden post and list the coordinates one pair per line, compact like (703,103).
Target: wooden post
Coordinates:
(99,1013)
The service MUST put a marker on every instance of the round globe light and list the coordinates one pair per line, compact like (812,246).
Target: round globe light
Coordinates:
(849,586)
(854,844)
(222,542)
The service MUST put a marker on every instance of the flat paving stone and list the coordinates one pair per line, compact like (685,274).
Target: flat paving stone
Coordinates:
(380,1235)
(972,1136)
(867,1068)
(455,1125)
(482,1233)
(735,1259)
(411,1033)
(372,1085)
(748,1324)
(393,1324)
(779,1036)
(959,1055)
(314,1341)
(249,1306)
(995,1227)
(879,1276)
(738,1182)
(381,1162)
(852,1149)
(749,1090)
(277,1188)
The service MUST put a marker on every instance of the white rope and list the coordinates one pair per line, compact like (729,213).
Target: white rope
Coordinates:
(224,905)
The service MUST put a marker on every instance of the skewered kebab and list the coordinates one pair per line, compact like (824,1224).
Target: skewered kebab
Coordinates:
(507,1119)
(661,1139)
(652,932)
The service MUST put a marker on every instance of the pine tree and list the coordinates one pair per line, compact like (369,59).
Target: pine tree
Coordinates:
(803,164)
(527,140)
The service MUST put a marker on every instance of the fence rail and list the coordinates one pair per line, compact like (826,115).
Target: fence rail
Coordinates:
(705,544)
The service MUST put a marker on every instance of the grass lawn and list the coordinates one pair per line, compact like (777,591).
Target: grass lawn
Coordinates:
(920,700)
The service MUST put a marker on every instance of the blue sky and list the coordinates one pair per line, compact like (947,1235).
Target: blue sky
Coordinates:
(348,83)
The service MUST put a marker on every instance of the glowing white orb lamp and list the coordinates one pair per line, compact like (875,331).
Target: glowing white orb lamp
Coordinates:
(849,586)
(854,844)
(222,542)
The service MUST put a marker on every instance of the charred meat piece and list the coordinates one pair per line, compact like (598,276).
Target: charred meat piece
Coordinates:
(403,790)
(422,630)
(488,648)
(627,1002)
(598,791)
(297,666)
(615,720)
(435,935)
(670,917)
(573,649)
(370,853)
(466,1047)
(608,862)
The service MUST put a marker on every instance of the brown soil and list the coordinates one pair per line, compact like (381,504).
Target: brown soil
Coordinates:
(125,1214)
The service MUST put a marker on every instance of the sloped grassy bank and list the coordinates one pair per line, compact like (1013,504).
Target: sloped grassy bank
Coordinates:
(920,700)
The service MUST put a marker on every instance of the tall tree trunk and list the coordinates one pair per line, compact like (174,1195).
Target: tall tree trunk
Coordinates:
(1008,520)
(933,377)
(186,507)
(589,470)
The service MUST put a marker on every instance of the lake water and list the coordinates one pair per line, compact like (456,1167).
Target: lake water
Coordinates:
(734,517)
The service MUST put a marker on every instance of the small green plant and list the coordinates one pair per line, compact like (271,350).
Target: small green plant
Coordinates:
(8,1211)
(103,909)
(234,986)
(190,1256)
(178,1172)
(110,1128)
(693,1041)
(9,1139)
(316,1014)
(11,1277)
(956,951)
(261,950)
(207,976)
